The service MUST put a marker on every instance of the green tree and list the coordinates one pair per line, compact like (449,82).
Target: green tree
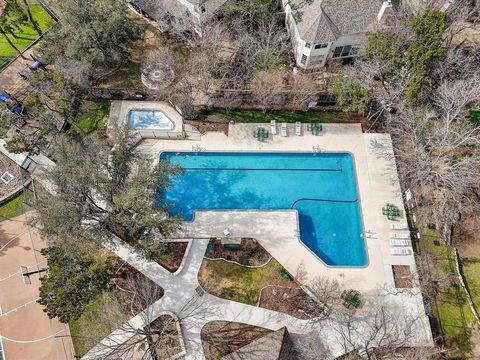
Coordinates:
(99,191)
(99,33)
(73,280)
(428,29)
(31,18)
(352,97)
(11,20)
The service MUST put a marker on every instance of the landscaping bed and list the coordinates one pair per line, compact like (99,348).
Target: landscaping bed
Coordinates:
(309,116)
(172,255)
(402,276)
(168,343)
(210,123)
(92,118)
(250,253)
(220,338)
(292,301)
(13,207)
(238,283)
(108,311)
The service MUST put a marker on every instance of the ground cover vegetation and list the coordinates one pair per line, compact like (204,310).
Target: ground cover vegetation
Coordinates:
(21,23)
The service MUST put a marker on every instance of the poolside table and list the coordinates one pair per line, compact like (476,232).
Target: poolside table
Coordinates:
(260,134)
(315,128)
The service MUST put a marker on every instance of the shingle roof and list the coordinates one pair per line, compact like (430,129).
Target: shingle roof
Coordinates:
(273,346)
(326,20)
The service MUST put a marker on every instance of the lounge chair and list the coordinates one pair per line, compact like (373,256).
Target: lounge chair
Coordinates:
(399,236)
(400,242)
(273,127)
(398,226)
(284,129)
(298,128)
(401,251)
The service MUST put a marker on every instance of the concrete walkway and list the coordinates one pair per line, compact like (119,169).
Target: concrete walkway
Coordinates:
(194,307)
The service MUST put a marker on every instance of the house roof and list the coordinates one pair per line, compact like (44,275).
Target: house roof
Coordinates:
(326,20)
(188,10)
(273,346)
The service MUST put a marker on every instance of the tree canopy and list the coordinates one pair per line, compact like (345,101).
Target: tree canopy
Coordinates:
(98,33)
(94,191)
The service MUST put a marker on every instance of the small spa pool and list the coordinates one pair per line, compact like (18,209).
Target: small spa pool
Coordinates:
(144,119)
(321,187)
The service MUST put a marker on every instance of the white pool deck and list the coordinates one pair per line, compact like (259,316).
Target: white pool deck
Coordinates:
(278,232)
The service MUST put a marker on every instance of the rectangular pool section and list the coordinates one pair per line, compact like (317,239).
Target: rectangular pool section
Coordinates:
(149,119)
(321,187)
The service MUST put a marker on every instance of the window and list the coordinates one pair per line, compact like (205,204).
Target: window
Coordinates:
(321,46)
(7,177)
(346,50)
(307,45)
(342,51)
(203,9)
(304,59)
(337,51)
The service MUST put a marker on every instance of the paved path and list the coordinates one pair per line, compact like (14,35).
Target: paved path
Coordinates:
(195,309)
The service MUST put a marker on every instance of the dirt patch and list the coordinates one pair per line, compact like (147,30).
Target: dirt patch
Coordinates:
(468,235)
(168,339)
(292,301)
(250,253)
(172,256)
(220,338)
(210,123)
(402,276)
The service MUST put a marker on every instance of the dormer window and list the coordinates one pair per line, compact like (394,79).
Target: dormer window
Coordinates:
(308,45)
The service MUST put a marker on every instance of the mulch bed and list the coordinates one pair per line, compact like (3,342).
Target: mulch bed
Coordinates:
(210,123)
(292,301)
(168,344)
(127,279)
(251,253)
(402,276)
(172,256)
(220,338)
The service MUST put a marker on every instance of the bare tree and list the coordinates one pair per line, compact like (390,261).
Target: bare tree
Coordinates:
(267,87)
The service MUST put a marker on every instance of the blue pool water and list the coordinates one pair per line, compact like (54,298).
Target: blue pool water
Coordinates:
(148,119)
(321,187)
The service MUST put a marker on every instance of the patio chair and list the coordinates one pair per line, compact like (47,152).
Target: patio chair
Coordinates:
(227,232)
(400,242)
(273,127)
(399,251)
(284,129)
(298,128)
(398,226)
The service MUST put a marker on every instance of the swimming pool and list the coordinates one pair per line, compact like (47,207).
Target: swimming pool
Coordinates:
(321,187)
(149,119)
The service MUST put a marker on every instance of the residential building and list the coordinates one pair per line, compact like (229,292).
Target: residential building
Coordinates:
(331,29)
(274,346)
(179,15)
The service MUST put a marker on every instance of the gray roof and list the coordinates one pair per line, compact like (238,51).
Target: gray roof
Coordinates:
(273,346)
(158,9)
(326,20)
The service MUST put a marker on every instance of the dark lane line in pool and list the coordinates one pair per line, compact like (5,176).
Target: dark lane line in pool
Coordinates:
(259,169)
(322,200)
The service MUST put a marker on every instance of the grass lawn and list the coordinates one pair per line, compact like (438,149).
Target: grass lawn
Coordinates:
(309,116)
(93,117)
(455,314)
(238,283)
(93,324)
(13,207)
(26,35)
